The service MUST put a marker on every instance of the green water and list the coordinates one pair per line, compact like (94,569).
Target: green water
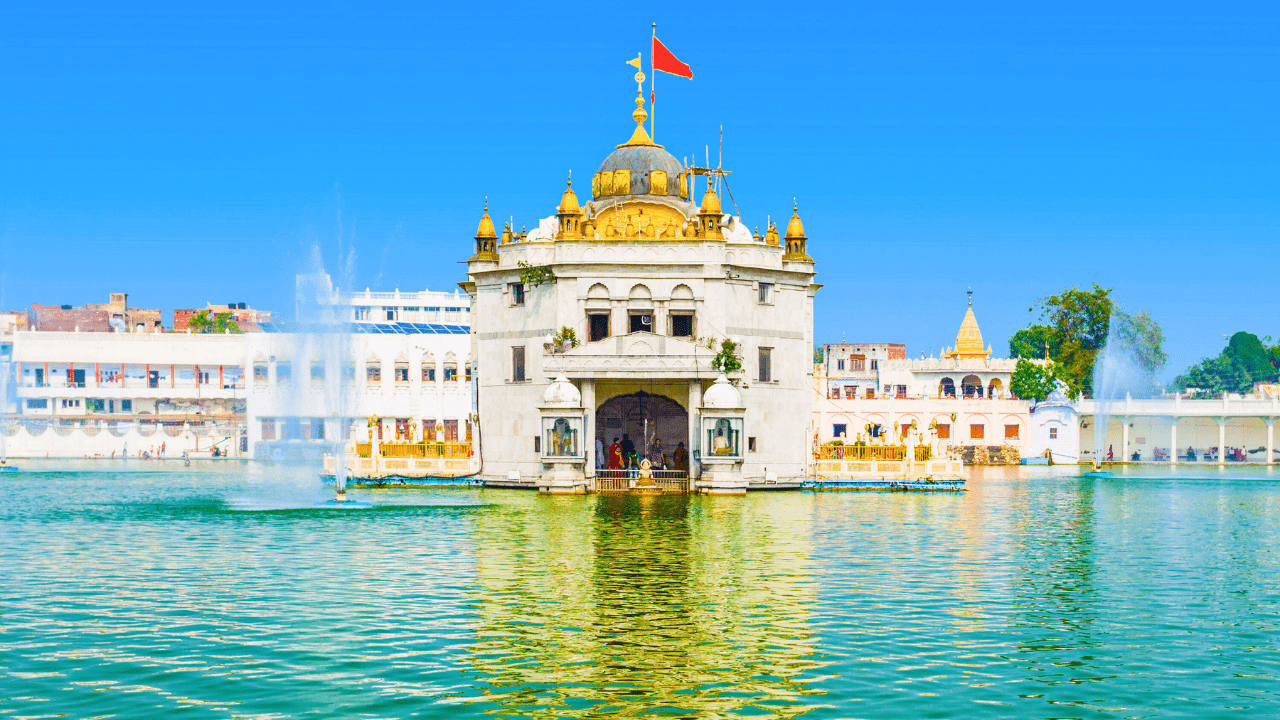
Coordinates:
(1033,595)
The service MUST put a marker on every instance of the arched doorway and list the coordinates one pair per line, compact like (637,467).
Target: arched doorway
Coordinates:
(971,386)
(643,418)
(947,388)
(995,389)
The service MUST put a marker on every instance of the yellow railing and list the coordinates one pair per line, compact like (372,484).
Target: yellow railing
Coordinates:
(447,451)
(871,452)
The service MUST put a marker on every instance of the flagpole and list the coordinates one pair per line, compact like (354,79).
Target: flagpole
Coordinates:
(653,84)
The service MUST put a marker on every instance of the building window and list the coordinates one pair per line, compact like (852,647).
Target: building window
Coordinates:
(944,432)
(1053,433)
(401,370)
(682,325)
(126,406)
(751,444)
(766,364)
(977,432)
(284,373)
(317,373)
(875,364)
(900,391)
(450,371)
(467,370)
(259,373)
(860,364)
(597,326)
(268,428)
(517,294)
(391,313)
(1010,432)
(871,393)
(362,313)
(451,431)
(317,428)
(37,403)
(840,364)
(429,373)
(765,296)
(641,322)
(839,430)
(373,372)
(850,392)
(517,364)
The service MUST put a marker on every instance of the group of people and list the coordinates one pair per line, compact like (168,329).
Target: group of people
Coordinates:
(622,455)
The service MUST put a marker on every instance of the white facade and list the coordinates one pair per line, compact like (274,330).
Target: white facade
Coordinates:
(1054,428)
(319,385)
(116,394)
(932,377)
(1222,430)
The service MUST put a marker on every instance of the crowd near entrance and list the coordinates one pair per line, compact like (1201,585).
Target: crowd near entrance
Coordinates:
(640,426)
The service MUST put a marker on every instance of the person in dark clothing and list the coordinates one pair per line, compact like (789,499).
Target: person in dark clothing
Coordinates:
(628,447)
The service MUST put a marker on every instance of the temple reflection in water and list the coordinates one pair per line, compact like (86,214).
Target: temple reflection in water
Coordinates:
(670,602)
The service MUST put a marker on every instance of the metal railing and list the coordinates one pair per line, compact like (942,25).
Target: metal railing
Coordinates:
(445,451)
(623,480)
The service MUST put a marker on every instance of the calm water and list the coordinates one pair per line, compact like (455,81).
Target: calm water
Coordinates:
(136,594)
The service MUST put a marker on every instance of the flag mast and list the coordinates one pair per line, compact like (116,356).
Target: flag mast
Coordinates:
(653,84)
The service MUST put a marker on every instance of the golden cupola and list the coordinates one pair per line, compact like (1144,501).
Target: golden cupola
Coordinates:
(969,339)
(709,215)
(771,235)
(639,167)
(486,238)
(795,239)
(506,234)
(569,214)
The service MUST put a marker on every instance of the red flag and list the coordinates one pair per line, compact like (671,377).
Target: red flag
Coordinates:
(664,61)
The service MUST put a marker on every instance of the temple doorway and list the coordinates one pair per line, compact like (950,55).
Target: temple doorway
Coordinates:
(653,424)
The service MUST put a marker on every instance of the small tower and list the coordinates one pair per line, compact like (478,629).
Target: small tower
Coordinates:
(969,339)
(795,239)
(569,214)
(486,239)
(709,215)
(771,235)
(506,234)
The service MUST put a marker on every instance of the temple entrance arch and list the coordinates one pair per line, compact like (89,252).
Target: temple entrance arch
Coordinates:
(946,388)
(971,386)
(643,418)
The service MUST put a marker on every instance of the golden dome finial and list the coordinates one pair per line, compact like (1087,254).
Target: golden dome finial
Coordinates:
(640,137)
(485,228)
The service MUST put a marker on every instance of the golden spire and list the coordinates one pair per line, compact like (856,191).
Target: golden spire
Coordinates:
(569,201)
(639,137)
(485,228)
(969,339)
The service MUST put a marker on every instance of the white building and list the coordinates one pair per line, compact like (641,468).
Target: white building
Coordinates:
(116,394)
(1221,430)
(852,370)
(643,281)
(1055,429)
(405,360)
(962,395)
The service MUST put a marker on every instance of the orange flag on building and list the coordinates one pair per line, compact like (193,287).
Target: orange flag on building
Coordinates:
(664,61)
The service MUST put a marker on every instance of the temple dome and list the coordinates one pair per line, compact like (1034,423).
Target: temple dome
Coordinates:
(795,228)
(562,393)
(569,201)
(485,228)
(640,161)
(710,202)
(969,339)
(721,395)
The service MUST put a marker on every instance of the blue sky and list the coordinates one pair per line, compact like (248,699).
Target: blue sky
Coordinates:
(186,155)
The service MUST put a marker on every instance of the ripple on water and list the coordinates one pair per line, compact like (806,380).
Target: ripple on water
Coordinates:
(1032,595)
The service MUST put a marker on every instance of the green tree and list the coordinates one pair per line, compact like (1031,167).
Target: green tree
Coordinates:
(203,322)
(1032,381)
(1244,361)
(1075,325)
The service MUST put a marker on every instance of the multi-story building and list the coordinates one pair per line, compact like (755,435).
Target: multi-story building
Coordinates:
(245,317)
(853,369)
(112,316)
(606,322)
(962,398)
(403,359)
(92,394)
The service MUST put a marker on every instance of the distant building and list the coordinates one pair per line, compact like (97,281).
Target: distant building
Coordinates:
(112,316)
(960,399)
(246,318)
(853,369)
(97,394)
(402,358)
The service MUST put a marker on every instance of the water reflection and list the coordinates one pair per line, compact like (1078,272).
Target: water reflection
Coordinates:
(665,604)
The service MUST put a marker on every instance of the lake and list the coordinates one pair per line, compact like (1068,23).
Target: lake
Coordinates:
(221,594)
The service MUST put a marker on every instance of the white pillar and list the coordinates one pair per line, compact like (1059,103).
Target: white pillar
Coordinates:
(1124,440)
(1271,439)
(1222,436)
(589,425)
(1173,442)
(695,402)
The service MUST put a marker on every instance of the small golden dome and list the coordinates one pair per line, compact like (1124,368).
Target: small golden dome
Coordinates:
(485,229)
(710,202)
(795,228)
(569,201)
(506,234)
(771,234)
(969,339)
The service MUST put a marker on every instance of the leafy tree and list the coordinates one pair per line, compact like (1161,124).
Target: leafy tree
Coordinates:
(1032,381)
(1075,324)
(1031,341)
(203,322)
(1244,361)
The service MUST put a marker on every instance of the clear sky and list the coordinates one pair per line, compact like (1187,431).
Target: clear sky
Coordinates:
(188,153)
